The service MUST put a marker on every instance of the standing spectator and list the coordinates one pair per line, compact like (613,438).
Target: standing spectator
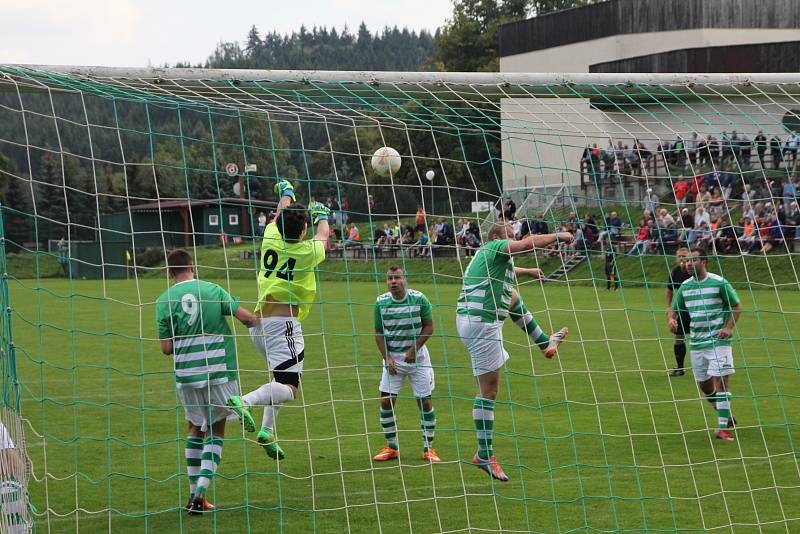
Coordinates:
(63,256)
(262,223)
(691,149)
(791,149)
(793,222)
(775,152)
(726,178)
(594,164)
(761,144)
(717,203)
(745,151)
(461,235)
(747,194)
(619,157)
(789,192)
(702,151)
(420,220)
(651,202)
(681,190)
(612,276)
(703,198)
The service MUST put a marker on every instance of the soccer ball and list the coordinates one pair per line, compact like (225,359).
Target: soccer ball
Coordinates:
(386,161)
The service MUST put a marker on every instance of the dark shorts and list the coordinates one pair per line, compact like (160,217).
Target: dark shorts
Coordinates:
(684,319)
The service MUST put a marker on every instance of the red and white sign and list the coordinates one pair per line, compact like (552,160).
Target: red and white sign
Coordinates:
(232,169)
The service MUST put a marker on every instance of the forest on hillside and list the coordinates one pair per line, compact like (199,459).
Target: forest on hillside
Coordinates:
(67,157)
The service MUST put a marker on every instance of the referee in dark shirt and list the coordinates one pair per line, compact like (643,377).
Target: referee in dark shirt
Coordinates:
(676,278)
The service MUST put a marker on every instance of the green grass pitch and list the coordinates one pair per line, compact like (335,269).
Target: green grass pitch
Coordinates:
(598,439)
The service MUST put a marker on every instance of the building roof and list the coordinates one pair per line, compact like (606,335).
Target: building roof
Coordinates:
(171,204)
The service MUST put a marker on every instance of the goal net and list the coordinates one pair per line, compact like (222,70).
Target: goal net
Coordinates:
(103,172)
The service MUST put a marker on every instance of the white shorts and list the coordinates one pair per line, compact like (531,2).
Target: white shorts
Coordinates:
(280,342)
(420,375)
(714,361)
(206,405)
(484,342)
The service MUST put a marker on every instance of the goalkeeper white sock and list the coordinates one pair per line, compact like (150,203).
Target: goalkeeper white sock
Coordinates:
(270,413)
(271,393)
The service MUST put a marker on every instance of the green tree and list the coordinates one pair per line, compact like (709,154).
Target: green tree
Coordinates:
(469,40)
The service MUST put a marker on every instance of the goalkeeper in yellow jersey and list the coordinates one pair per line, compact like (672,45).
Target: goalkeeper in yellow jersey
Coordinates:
(287,286)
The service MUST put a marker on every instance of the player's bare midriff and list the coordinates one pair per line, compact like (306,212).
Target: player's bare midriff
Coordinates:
(278,309)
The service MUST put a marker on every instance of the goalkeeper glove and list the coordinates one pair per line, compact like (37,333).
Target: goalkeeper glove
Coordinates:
(284,188)
(319,212)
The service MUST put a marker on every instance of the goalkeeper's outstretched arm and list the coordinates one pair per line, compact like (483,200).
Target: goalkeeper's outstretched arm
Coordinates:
(531,241)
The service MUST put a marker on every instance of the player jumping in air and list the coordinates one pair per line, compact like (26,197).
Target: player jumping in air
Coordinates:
(403,323)
(714,308)
(192,326)
(287,286)
(487,298)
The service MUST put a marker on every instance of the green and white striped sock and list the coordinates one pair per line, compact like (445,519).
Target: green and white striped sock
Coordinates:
(524,319)
(194,455)
(723,408)
(12,507)
(389,425)
(483,415)
(428,422)
(212,455)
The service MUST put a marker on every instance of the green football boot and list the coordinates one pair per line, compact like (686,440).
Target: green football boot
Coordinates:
(235,403)
(266,439)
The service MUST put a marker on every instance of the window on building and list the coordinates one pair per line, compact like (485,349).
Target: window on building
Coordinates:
(213,220)
(233,220)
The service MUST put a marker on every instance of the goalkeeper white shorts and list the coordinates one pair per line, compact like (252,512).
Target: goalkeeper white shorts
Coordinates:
(419,374)
(206,405)
(484,342)
(713,361)
(280,342)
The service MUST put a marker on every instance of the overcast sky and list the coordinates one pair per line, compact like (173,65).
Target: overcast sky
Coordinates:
(133,33)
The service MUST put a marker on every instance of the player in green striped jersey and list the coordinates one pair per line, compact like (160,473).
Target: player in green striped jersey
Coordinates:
(714,308)
(487,298)
(192,327)
(403,323)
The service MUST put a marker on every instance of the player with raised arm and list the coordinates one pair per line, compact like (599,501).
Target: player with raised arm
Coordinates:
(678,276)
(287,286)
(403,323)
(714,308)
(487,298)
(191,322)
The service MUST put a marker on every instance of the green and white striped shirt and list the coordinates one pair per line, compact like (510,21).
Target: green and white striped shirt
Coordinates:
(192,314)
(401,322)
(488,281)
(708,302)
